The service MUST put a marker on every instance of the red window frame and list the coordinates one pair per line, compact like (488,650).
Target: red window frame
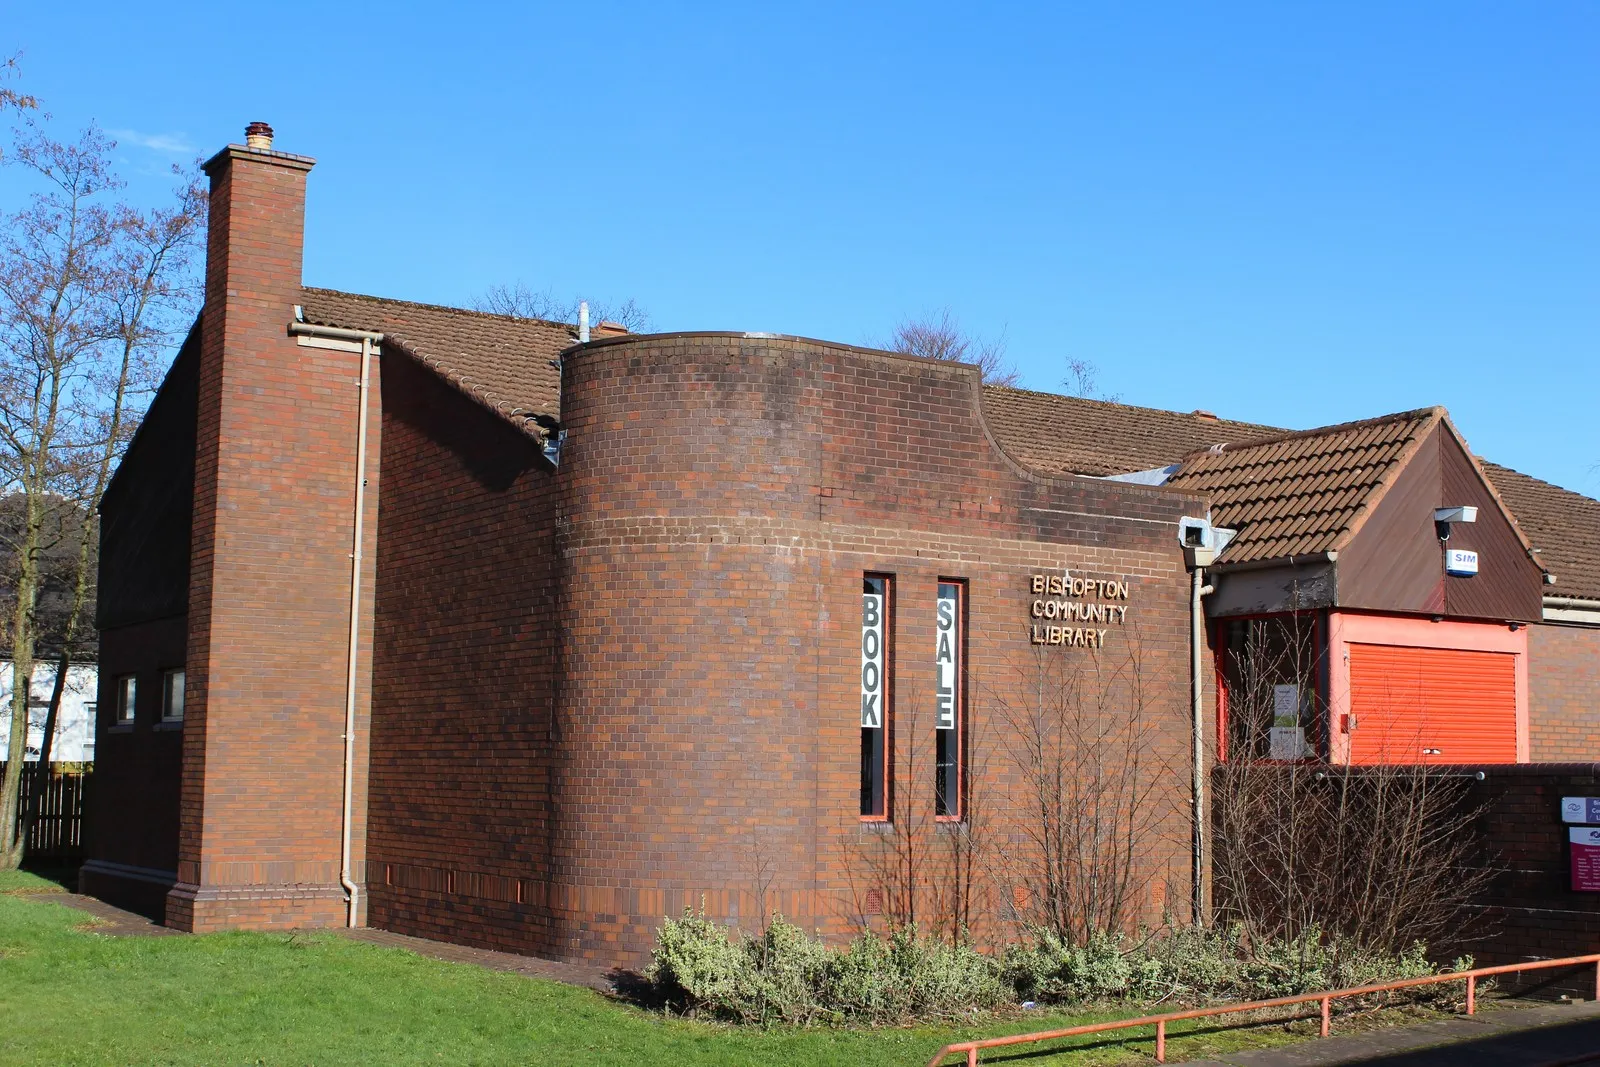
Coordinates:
(1220,652)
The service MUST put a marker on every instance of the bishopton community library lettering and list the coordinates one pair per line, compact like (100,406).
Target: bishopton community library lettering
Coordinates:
(521,635)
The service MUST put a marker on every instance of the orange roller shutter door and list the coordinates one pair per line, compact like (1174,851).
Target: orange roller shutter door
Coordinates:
(1432,705)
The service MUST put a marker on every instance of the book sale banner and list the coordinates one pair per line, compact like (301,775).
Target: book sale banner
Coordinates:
(872,607)
(946,656)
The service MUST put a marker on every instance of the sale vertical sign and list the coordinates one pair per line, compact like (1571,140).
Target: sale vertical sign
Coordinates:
(946,656)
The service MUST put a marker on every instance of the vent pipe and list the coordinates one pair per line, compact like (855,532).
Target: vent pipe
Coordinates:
(583,322)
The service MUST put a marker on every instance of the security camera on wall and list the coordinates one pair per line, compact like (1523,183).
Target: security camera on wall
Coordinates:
(1443,517)
(1202,542)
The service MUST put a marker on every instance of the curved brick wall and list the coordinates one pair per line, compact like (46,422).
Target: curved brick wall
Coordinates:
(720,497)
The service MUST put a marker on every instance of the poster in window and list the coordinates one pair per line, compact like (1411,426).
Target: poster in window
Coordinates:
(1286,705)
(871,661)
(946,657)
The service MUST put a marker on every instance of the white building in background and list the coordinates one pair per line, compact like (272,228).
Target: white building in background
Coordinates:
(74,742)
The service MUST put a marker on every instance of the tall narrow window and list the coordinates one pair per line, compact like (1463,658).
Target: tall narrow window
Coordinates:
(172,696)
(127,697)
(949,698)
(875,708)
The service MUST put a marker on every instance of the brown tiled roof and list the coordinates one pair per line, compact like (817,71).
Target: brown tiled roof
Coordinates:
(1071,435)
(1298,494)
(506,364)
(1563,526)
(1295,492)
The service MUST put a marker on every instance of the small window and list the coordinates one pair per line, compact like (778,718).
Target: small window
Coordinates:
(172,696)
(1270,669)
(949,626)
(876,628)
(127,697)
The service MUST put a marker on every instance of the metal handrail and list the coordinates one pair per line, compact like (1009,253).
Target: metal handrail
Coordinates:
(971,1048)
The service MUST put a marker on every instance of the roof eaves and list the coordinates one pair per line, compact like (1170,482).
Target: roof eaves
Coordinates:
(1430,417)
(1287,436)
(1494,494)
(520,418)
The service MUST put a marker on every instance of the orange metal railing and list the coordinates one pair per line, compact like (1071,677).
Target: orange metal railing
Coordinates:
(971,1048)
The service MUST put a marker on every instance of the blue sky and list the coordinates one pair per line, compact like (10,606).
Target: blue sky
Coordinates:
(1289,213)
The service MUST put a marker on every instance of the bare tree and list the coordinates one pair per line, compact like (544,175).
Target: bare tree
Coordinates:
(1092,784)
(939,335)
(962,869)
(90,294)
(1374,857)
(520,302)
(921,869)
(11,99)
(1083,379)
(887,874)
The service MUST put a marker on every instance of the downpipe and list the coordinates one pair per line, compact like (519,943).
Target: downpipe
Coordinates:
(347,813)
(1197,630)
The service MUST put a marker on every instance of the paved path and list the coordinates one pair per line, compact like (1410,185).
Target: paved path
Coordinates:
(1524,1035)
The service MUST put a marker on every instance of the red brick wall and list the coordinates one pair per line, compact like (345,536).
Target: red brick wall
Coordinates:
(1564,688)
(700,563)
(131,806)
(464,666)
(270,573)
(131,810)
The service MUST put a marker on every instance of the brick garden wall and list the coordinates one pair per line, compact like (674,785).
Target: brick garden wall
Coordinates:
(1530,911)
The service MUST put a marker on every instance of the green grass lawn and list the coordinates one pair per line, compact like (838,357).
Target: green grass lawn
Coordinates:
(71,996)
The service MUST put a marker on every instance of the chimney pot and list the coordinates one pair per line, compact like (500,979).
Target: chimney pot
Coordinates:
(258,135)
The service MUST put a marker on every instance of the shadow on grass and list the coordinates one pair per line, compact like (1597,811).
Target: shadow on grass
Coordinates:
(631,987)
(64,877)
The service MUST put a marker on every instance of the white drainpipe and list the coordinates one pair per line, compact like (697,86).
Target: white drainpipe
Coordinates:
(1197,635)
(366,340)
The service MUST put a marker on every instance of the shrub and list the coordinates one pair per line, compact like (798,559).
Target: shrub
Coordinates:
(1190,965)
(697,970)
(786,976)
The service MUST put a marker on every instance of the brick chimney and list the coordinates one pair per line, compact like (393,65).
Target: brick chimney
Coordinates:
(259,824)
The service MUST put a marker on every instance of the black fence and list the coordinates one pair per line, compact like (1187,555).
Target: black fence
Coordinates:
(56,836)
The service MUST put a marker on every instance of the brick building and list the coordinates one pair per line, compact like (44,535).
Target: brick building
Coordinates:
(468,627)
